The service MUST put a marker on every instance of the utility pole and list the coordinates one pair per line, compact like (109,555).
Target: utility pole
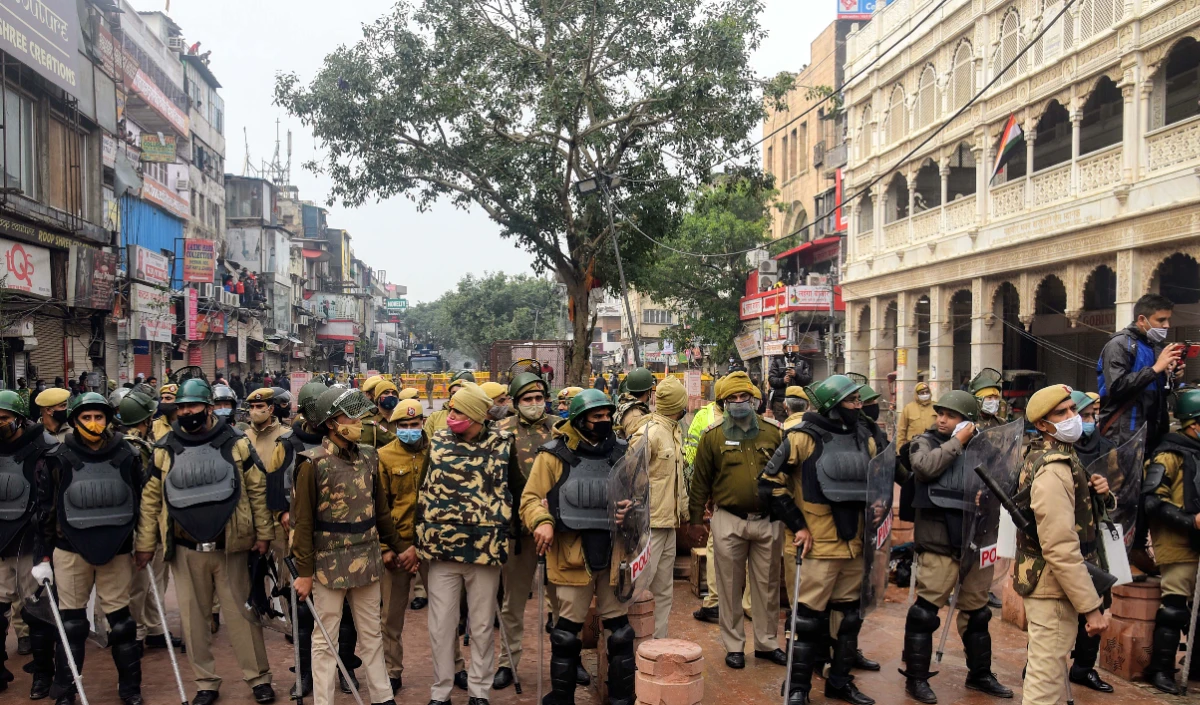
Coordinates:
(829,348)
(603,182)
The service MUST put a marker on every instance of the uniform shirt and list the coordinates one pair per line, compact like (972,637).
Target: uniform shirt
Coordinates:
(1052,498)
(668,498)
(727,471)
(377,432)
(436,422)
(1170,545)
(402,467)
(917,418)
(929,461)
(264,441)
(160,428)
(304,509)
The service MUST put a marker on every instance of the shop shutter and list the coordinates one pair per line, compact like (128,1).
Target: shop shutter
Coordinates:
(48,357)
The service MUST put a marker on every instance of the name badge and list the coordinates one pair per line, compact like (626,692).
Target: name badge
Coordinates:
(732,443)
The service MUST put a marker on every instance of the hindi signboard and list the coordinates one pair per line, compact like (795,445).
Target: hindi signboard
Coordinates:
(155,149)
(193,314)
(148,266)
(749,345)
(152,328)
(198,261)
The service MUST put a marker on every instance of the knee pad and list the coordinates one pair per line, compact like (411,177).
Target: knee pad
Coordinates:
(922,617)
(852,620)
(1173,612)
(565,643)
(615,623)
(75,624)
(620,642)
(808,624)
(121,627)
(977,620)
(566,625)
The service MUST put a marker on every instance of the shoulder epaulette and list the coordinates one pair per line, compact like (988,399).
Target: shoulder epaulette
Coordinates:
(714,424)
(772,422)
(315,453)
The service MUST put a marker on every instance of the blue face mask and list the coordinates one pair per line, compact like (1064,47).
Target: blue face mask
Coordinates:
(222,412)
(562,414)
(410,436)
(1089,427)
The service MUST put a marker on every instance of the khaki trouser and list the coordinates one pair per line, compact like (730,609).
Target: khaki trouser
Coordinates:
(710,576)
(747,546)
(395,586)
(1053,625)
(419,587)
(575,600)
(141,602)
(15,582)
(198,577)
(445,582)
(517,574)
(936,577)
(1178,579)
(825,580)
(20,628)
(364,605)
(74,578)
(662,577)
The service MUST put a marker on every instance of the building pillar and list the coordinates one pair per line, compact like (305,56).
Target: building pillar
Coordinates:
(1130,286)
(858,336)
(882,346)
(907,363)
(880,204)
(983,174)
(944,171)
(987,331)
(941,341)
(1134,126)
(1030,140)
(1076,118)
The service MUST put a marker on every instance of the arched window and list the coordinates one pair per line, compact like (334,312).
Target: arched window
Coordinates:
(929,187)
(1183,81)
(896,203)
(866,214)
(866,135)
(1097,16)
(961,181)
(926,109)
(962,77)
(1009,48)
(1103,115)
(1053,143)
(896,122)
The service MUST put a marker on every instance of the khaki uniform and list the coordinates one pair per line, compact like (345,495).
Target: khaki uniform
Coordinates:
(338,491)
(141,602)
(377,431)
(1050,574)
(201,575)
(668,509)
(401,467)
(518,573)
(160,428)
(631,413)
(916,418)
(436,421)
(726,472)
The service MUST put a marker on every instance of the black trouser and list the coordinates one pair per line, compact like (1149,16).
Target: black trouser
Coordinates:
(1087,648)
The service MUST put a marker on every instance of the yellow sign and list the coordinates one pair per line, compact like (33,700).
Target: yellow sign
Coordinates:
(901,356)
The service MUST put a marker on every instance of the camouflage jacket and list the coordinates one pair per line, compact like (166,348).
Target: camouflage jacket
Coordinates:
(143,448)
(340,517)
(377,432)
(464,506)
(527,439)
(1055,486)
(630,415)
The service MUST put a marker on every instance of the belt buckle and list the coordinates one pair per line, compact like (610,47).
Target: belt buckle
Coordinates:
(751,516)
(208,547)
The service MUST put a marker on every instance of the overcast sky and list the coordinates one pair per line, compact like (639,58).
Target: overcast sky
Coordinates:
(428,252)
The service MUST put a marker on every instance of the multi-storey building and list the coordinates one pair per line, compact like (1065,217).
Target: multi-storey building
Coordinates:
(950,270)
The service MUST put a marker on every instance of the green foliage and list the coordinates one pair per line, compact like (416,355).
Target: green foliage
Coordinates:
(729,216)
(482,310)
(505,106)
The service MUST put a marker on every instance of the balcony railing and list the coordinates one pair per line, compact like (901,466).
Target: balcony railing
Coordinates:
(1101,170)
(925,226)
(836,158)
(1173,145)
(1008,199)
(1051,185)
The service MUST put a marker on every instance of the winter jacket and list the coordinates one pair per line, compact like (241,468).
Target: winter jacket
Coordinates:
(668,499)
(1130,389)
(917,418)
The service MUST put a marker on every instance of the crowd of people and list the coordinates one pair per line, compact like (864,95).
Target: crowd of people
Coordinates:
(365,499)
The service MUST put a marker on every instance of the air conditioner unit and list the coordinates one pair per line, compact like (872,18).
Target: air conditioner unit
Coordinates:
(176,44)
(766,281)
(206,291)
(768,266)
(228,298)
(817,280)
(181,184)
(754,257)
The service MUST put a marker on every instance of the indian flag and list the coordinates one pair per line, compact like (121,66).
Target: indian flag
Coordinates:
(1011,139)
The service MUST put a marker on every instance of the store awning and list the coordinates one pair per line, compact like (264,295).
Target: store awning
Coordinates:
(295,341)
(318,255)
(809,247)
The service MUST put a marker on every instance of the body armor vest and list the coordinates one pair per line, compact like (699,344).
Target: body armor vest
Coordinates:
(203,486)
(346,546)
(837,472)
(17,482)
(1187,449)
(580,498)
(949,489)
(97,500)
(1031,564)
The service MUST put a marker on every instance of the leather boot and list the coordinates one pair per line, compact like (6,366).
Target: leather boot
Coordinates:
(840,684)
(1170,620)
(918,656)
(1083,670)
(565,647)
(977,641)
(75,624)
(126,655)
(42,638)
(621,665)
(806,647)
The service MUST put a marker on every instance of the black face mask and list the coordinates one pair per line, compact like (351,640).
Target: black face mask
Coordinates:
(871,412)
(388,403)
(848,417)
(167,408)
(59,416)
(597,431)
(192,422)
(9,430)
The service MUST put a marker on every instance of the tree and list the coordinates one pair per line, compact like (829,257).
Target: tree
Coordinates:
(506,105)
(731,215)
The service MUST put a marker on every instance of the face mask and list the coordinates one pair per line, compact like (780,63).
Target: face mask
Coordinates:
(1157,335)
(924,397)
(411,436)
(458,426)
(223,413)
(8,430)
(598,431)
(60,416)
(848,417)
(739,409)
(167,408)
(532,412)
(388,403)
(192,422)
(1089,427)
(91,430)
(1068,431)
(562,414)
(350,431)
(498,411)
(991,406)
(871,412)
(260,416)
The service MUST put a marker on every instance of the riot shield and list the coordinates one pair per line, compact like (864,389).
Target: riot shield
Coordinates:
(998,451)
(1122,466)
(877,527)
(629,494)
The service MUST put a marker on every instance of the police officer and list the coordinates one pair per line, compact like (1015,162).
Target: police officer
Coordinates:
(265,428)
(377,428)
(464,512)
(795,404)
(53,403)
(870,416)
(437,420)
(668,497)
(23,449)
(368,386)
(1050,574)
(401,463)
(565,395)
(1173,508)
(343,537)
(729,458)
(917,417)
(633,405)
(167,411)
(501,401)
(991,405)
(225,401)
(531,428)
(816,486)
(940,473)
(208,522)
(88,505)
(576,538)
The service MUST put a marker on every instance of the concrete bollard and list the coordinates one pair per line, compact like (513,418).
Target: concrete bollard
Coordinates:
(670,672)
(1013,610)
(1125,645)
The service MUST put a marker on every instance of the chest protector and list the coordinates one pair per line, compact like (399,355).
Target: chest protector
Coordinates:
(836,472)
(279,483)
(1031,564)
(203,486)
(346,548)
(949,489)
(97,501)
(17,482)
(1187,449)
(579,500)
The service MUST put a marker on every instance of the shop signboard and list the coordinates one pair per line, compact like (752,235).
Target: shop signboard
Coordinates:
(44,35)
(94,276)
(198,261)
(148,266)
(157,147)
(26,268)
(749,345)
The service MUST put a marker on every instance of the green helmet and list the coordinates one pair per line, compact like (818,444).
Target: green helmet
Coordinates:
(194,391)
(89,400)
(639,381)
(465,375)
(339,400)
(11,401)
(523,381)
(1082,400)
(135,408)
(587,400)
(831,391)
(868,394)
(962,403)
(986,379)
(308,396)
(1187,405)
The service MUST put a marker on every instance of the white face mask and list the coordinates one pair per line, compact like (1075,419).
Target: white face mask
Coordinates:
(1068,431)
(991,406)
(1157,335)
(924,397)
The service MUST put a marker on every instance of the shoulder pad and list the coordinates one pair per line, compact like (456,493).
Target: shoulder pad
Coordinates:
(1155,472)
(559,449)
(286,434)
(315,453)
(1056,456)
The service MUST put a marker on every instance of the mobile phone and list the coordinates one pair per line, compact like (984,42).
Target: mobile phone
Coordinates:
(1190,350)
